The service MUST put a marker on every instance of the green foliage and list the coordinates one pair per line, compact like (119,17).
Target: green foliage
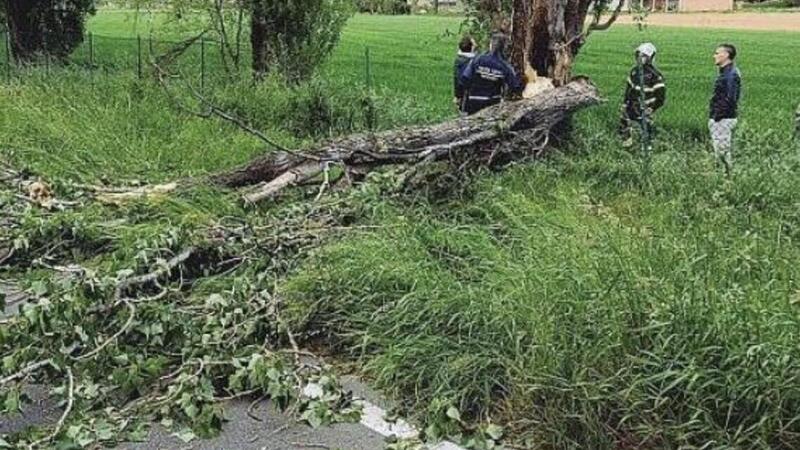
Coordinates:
(51,27)
(300,34)
(391,7)
(606,310)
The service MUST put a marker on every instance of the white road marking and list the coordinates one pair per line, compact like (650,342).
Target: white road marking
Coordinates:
(372,417)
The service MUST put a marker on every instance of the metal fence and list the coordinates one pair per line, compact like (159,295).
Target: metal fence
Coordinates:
(199,60)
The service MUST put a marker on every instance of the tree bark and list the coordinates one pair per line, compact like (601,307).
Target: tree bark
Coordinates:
(25,39)
(258,39)
(548,34)
(511,130)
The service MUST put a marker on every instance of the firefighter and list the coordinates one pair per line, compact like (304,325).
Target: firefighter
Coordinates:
(655,93)
(487,75)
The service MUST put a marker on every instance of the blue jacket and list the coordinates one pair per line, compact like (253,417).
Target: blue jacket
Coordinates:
(486,75)
(727,91)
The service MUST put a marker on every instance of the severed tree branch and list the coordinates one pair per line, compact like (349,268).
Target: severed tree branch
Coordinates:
(116,335)
(27,370)
(597,26)
(154,276)
(70,402)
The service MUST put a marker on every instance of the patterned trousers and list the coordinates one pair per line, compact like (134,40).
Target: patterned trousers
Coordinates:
(797,122)
(722,140)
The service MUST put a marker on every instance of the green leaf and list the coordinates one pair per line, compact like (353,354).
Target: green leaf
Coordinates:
(494,431)
(39,288)
(453,413)
(186,435)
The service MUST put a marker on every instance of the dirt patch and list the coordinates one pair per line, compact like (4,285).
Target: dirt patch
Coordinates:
(782,21)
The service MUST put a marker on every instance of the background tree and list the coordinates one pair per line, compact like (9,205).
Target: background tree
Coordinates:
(289,36)
(295,36)
(45,27)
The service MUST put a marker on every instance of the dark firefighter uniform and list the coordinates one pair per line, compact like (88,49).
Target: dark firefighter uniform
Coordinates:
(655,94)
(484,79)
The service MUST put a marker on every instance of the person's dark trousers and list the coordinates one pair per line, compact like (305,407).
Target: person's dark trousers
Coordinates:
(472,106)
(630,118)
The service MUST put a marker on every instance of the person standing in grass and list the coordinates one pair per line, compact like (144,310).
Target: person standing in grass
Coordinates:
(466,52)
(797,122)
(643,77)
(485,77)
(724,105)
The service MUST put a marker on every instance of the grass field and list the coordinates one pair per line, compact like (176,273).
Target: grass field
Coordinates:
(576,301)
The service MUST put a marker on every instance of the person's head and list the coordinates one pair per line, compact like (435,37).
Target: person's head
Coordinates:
(724,55)
(645,53)
(498,43)
(467,44)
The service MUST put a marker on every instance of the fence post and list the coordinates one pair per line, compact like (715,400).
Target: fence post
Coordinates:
(139,55)
(91,51)
(643,119)
(369,104)
(8,55)
(202,63)
(368,71)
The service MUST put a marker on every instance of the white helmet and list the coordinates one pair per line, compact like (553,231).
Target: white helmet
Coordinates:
(647,49)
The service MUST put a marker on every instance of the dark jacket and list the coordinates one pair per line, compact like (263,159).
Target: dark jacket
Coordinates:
(459,65)
(655,88)
(727,91)
(485,77)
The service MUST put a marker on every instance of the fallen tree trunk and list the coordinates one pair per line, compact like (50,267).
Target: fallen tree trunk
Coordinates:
(512,130)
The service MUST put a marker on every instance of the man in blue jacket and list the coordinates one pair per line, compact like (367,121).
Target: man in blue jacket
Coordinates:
(724,106)
(487,74)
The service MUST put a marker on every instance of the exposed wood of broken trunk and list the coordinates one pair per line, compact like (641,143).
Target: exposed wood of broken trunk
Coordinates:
(548,34)
(511,130)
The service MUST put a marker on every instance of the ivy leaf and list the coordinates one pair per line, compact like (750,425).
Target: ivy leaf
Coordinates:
(12,402)
(186,435)
(453,413)
(494,431)
(38,288)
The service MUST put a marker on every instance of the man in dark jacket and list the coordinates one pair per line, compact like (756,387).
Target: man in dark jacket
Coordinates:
(485,77)
(466,52)
(724,105)
(647,84)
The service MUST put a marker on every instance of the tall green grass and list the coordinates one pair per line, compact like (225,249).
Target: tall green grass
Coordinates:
(581,308)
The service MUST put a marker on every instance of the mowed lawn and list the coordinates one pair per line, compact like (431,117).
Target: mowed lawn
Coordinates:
(413,56)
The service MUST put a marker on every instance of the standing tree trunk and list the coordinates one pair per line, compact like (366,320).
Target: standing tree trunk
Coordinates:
(548,34)
(44,27)
(24,38)
(258,38)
